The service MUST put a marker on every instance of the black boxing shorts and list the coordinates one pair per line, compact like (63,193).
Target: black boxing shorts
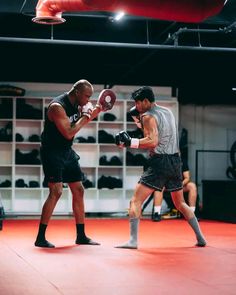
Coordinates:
(60,166)
(163,171)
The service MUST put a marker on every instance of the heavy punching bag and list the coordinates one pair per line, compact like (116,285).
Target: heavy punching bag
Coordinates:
(192,11)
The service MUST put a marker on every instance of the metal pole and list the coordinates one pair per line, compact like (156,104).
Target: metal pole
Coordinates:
(114,44)
(196,167)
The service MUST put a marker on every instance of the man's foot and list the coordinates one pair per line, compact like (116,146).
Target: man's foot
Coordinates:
(43,244)
(201,243)
(156,217)
(86,241)
(128,245)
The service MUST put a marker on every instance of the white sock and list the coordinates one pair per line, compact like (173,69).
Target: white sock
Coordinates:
(201,242)
(133,241)
(157,209)
(193,208)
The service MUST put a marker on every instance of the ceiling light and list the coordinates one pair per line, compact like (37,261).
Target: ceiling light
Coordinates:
(119,16)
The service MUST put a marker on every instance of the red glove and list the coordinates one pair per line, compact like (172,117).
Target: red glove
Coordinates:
(106,100)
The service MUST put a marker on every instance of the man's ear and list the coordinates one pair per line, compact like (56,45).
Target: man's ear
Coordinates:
(146,101)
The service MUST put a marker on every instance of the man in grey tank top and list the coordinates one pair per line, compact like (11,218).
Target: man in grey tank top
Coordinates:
(163,168)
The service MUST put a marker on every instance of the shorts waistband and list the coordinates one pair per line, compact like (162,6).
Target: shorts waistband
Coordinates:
(55,149)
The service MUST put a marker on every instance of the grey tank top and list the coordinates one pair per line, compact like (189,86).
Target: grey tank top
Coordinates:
(168,139)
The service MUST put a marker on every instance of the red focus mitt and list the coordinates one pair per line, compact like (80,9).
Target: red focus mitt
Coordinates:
(106,100)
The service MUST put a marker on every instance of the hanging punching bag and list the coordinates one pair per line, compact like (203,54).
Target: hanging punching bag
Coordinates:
(192,11)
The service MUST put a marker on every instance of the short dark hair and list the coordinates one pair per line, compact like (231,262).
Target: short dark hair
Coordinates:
(142,93)
(81,84)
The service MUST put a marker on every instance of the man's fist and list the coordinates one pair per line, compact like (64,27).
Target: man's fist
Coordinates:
(135,116)
(106,100)
(123,139)
(87,109)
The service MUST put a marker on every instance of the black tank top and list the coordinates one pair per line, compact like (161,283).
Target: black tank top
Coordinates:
(51,137)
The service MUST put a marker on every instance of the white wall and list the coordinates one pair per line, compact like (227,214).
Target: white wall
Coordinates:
(209,128)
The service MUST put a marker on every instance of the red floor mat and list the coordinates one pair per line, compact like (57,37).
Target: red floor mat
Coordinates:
(165,263)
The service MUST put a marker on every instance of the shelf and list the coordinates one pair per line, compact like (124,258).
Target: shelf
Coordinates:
(6,153)
(110,181)
(63,205)
(88,154)
(91,201)
(132,177)
(27,201)
(6,198)
(111,200)
(27,135)
(18,143)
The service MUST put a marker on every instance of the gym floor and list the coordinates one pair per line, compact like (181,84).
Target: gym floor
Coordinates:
(167,262)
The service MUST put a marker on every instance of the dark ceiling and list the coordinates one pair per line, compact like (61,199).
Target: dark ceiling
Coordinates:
(197,60)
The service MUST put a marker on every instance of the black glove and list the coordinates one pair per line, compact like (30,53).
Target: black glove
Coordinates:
(117,139)
(135,116)
(123,139)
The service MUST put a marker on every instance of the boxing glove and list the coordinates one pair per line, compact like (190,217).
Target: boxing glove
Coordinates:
(106,100)
(123,139)
(135,116)
(87,109)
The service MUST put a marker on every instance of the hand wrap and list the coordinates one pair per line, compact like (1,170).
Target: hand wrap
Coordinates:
(87,109)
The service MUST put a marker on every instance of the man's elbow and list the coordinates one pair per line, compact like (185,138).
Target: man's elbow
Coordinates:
(68,135)
(153,143)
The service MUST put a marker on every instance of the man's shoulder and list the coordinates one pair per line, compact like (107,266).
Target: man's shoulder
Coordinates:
(58,100)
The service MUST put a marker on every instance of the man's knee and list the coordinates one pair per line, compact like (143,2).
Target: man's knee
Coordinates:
(191,186)
(77,191)
(80,190)
(55,191)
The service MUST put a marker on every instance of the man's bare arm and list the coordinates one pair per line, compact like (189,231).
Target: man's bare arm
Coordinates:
(57,114)
(150,139)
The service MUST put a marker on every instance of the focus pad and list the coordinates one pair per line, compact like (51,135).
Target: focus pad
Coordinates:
(106,99)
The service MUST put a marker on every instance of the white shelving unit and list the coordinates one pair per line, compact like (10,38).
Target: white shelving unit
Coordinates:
(29,199)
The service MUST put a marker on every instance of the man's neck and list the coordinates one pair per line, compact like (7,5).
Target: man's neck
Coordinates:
(71,98)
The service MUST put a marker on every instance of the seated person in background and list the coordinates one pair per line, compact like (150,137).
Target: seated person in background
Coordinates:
(188,187)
